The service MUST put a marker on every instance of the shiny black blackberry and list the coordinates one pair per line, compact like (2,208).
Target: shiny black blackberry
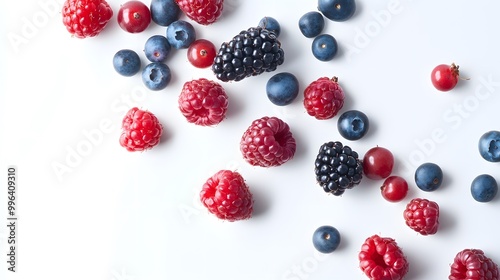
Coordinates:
(337,168)
(250,53)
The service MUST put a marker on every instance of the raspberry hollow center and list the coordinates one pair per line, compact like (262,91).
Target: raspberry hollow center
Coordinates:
(379,260)
(280,138)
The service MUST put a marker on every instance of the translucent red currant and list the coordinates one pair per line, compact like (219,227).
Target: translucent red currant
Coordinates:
(444,77)
(134,16)
(201,53)
(394,188)
(378,163)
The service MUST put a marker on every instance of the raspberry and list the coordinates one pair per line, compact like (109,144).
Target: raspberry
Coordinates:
(141,130)
(323,98)
(226,195)
(267,142)
(86,18)
(472,264)
(337,168)
(422,216)
(382,259)
(204,12)
(203,102)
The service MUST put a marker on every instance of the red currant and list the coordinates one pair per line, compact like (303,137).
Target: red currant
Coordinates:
(201,53)
(445,77)
(134,16)
(394,188)
(378,163)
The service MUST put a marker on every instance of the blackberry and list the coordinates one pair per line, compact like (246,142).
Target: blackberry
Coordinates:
(337,168)
(250,53)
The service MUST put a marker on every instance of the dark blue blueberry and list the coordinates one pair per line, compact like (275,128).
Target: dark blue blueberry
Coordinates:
(326,239)
(311,24)
(271,24)
(337,10)
(282,88)
(484,188)
(428,177)
(324,47)
(489,146)
(353,125)
(156,76)
(164,12)
(180,34)
(157,48)
(126,62)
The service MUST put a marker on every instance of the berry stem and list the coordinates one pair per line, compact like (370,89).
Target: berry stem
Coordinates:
(455,71)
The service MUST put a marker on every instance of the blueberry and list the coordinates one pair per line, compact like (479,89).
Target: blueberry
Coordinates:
(324,47)
(156,75)
(428,176)
(484,188)
(126,62)
(180,34)
(311,24)
(164,12)
(157,48)
(282,88)
(353,125)
(326,239)
(271,24)
(489,146)
(337,10)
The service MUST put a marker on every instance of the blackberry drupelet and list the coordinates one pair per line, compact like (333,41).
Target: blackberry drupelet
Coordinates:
(337,168)
(250,53)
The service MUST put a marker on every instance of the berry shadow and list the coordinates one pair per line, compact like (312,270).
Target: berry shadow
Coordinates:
(463,81)
(359,9)
(399,169)
(416,267)
(340,52)
(446,182)
(300,150)
(372,129)
(349,102)
(447,221)
(261,202)
(165,136)
(235,106)
(343,245)
(229,7)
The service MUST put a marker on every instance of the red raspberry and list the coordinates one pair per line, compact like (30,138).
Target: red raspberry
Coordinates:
(472,264)
(382,259)
(203,102)
(141,130)
(86,18)
(422,216)
(226,195)
(323,98)
(267,142)
(204,12)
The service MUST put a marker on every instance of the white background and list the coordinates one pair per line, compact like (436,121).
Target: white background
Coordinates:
(114,215)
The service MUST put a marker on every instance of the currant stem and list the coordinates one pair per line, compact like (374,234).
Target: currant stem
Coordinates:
(454,69)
